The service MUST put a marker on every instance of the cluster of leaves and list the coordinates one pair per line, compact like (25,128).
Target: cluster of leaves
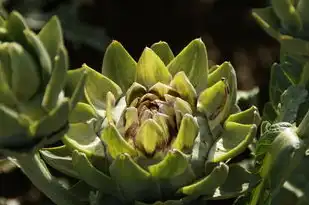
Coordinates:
(172,130)
(283,173)
(178,123)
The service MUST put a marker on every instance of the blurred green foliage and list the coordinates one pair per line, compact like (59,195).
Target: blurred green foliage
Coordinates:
(37,12)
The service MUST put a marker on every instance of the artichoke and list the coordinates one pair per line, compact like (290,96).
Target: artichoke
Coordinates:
(161,130)
(34,111)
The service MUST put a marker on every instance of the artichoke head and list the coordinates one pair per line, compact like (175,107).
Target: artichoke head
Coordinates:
(160,129)
(33,108)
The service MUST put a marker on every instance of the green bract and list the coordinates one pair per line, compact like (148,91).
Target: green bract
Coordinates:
(162,129)
(33,68)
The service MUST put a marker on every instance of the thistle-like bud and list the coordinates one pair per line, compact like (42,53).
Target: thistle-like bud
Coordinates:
(33,68)
(162,128)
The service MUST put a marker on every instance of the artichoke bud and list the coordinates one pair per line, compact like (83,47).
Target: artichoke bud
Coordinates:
(34,109)
(158,130)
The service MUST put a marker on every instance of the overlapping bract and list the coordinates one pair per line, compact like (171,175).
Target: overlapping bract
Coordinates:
(33,68)
(160,129)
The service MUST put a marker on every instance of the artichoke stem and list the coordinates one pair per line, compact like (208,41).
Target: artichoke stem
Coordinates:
(36,170)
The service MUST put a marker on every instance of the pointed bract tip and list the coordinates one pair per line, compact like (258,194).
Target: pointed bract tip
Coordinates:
(115,42)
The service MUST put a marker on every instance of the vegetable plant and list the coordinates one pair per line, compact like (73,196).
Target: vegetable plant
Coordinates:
(164,123)
(165,129)
(161,130)
(281,150)
(34,110)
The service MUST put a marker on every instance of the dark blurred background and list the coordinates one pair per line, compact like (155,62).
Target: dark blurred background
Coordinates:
(226,27)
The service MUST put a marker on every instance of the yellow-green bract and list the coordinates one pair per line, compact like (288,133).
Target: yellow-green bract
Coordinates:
(161,130)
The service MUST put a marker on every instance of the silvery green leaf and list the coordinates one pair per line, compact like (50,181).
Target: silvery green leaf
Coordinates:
(291,99)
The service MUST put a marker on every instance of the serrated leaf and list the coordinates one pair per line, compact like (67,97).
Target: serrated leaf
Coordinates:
(287,147)
(291,99)
(270,132)
(269,113)
(279,82)
(293,67)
